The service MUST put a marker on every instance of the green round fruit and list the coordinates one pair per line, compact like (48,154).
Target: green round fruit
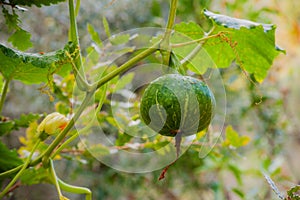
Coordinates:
(174,103)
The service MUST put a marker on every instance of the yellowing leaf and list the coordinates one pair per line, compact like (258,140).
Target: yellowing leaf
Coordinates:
(233,139)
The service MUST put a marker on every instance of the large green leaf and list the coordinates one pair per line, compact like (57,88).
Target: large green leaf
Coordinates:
(33,67)
(38,3)
(8,158)
(249,44)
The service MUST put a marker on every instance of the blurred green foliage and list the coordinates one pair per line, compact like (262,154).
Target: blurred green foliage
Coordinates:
(252,145)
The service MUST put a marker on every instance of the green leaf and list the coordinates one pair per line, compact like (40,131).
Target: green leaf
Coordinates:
(122,139)
(190,29)
(11,20)
(251,44)
(37,3)
(26,119)
(124,80)
(21,39)
(106,27)
(119,39)
(6,127)
(233,139)
(291,192)
(8,158)
(94,35)
(188,32)
(33,67)
(33,176)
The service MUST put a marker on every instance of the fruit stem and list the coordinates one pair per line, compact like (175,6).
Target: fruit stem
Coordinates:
(4,93)
(178,139)
(165,44)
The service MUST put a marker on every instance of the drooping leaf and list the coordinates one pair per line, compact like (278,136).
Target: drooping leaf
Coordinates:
(251,45)
(37,3)
(8,158)
(33,67)
(21,39)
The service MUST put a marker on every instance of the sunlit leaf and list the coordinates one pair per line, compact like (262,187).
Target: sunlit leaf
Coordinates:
(33,67)
(251,45)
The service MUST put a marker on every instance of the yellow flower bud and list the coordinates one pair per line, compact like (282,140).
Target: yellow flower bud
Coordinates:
(53,123)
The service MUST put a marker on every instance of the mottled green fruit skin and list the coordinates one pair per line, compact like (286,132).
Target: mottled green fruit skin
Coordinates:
(173,103)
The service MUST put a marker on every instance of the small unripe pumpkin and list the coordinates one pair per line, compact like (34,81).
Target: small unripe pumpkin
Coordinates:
(174,103)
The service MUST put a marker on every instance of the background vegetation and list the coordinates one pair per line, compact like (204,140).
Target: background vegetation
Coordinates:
(271,123)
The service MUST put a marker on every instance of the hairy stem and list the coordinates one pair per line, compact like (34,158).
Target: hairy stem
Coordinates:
(17,176)
(4,92)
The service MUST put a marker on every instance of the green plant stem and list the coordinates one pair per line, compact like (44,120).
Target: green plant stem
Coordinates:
(75,189)
(60,185)
(4,92)
(73,137)
(24,166)
(130,63)
(54,177)
(65,144)
(165,44)
(75,39)
(11,171)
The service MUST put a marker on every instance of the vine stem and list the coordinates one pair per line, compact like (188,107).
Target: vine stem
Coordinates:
(165,44)
(4,93)
(75,39)
(17,176)
(54,177)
